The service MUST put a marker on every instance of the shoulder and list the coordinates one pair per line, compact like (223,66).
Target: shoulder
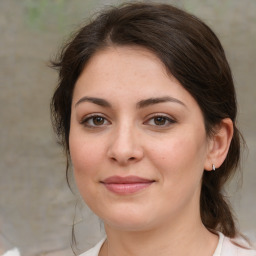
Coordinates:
(95,250)
(226,247)
(236,247)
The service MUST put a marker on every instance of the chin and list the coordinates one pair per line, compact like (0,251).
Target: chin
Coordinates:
(128,227)
(129,221)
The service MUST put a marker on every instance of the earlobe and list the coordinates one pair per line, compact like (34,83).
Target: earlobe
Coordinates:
(219,144)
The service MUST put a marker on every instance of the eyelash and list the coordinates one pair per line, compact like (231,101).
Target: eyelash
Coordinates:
(167,121)
(91,118)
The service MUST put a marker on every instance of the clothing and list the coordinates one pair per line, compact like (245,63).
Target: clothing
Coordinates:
(95,250)
(13,252)
(224,248)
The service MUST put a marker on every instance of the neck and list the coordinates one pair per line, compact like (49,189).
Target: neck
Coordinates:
(178,240)
(181,234)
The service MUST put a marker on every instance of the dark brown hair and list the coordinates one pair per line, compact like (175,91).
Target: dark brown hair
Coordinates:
(191,52)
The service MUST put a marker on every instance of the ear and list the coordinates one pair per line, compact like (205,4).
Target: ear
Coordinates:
(219,144)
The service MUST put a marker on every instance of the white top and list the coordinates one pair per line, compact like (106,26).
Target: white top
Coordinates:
(224,248)
(13,252)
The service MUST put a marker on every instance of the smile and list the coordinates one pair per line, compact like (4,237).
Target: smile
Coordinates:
(126,185)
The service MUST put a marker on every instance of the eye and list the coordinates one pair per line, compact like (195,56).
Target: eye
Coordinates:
(95,121)
(160,120)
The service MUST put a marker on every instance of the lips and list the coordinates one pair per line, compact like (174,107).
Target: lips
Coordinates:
(126,185)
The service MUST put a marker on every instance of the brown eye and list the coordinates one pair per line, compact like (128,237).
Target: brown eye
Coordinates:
(98,120)
(160,120)
(95,121)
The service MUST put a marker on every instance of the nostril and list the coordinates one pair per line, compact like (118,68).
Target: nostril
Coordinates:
(132,158)
(113,158)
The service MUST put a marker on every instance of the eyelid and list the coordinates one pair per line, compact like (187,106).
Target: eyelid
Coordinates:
(170,119)
(88,117)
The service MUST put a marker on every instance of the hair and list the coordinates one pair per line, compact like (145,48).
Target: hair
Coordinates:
(191,52)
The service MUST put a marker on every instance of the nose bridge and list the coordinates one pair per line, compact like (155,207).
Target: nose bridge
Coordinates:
(125,135)
(125,145)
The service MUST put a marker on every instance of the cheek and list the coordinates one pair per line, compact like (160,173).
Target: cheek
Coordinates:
(86,160)
(180,166)
(85,155)
(180,156)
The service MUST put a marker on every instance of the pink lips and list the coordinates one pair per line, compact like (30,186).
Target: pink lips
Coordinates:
(126,185)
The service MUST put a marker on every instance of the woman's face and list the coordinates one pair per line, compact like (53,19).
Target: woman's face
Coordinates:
(137,141)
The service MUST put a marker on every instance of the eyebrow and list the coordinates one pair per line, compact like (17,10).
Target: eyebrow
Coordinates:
(152,101)
(140,104)
(97,101)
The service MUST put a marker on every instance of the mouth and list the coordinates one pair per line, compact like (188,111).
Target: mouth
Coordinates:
(126,185)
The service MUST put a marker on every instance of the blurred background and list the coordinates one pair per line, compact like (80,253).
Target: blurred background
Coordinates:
(37,209)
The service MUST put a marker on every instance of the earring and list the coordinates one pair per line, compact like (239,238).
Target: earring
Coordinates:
(213,167)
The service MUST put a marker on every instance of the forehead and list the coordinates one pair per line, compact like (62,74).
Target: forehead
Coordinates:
(128,73)
(123,65)
(129,58)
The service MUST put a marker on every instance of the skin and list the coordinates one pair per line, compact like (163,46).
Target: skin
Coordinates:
(163,141)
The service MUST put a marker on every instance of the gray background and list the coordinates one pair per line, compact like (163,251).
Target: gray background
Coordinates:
(36,207)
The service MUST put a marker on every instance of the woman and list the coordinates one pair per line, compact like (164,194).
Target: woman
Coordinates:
(146,109)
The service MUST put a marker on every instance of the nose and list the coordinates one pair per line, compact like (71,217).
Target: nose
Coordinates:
(125,146)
